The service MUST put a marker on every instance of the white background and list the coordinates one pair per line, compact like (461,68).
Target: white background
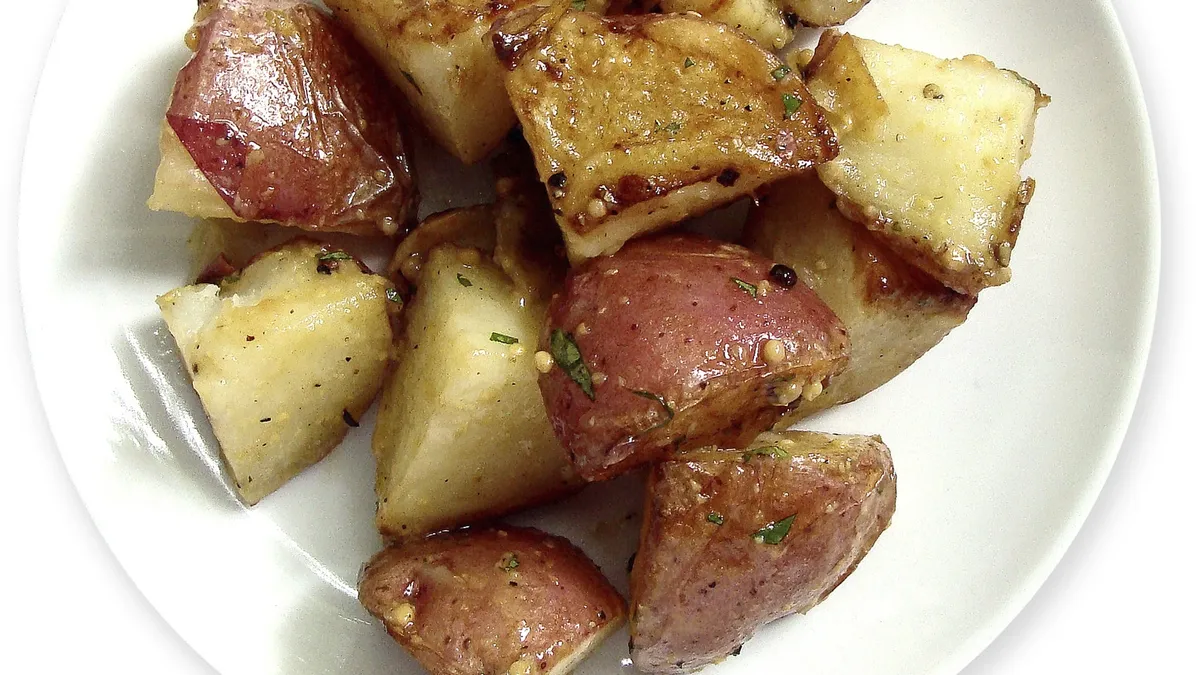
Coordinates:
(1122,601)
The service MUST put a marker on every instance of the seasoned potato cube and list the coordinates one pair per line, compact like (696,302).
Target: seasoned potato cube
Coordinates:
(495,600)
(893,312)
(821,12)
(282,118)
(678,342)
(760,19)
(286,358)
(733,539)
(931,153)
(639,122)
(435,52)
(462,433)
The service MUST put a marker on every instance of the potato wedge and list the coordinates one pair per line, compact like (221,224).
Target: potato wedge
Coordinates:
(734,539)
(678,342)
(281,117)
(494,600)
(931,153)
(821,12)
(275,414)
(637,123)
(893,312)
(435,52)
(761,20)
(462,434)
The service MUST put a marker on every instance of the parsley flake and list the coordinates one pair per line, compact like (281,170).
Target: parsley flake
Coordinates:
(510,562)
(662,402)
(672,128)
(780,72)
(393,295)
(745,286)
(774,533)
(790,105)
(504,339)
(716,519)
(465,282)
(568,357)
(579,5)
(688,62)
(334,255)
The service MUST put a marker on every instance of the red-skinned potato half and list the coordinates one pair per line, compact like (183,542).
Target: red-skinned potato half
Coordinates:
(733,539)
(680,342)
(492,600)
(290,121)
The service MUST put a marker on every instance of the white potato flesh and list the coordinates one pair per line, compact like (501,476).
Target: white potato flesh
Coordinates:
(179,185)
(285,359)
(435,52)
(931,153)
(462,433)
(761,20)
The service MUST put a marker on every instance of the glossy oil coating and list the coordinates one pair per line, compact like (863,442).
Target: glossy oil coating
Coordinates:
(675,332)
(733,539)
(493,600)
(289,121)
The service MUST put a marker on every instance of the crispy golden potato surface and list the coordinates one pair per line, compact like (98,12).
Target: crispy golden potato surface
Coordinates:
(637,123)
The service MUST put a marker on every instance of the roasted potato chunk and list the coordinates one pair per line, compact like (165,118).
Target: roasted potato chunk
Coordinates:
(893,311)
(275,414)
(280,117)
(494,600)
(821,12)
(734,539)
(679,342)
(639,122)
(931,153)
(462,434)
(435,52)
(762,20)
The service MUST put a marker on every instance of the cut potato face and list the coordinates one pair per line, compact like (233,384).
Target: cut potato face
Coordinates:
(275,414)
(821,12)
(462,435)
(505,600)
(435,52)
(761,20)
(637,123)
(931,153)
(286,120)
(734,539)
(679,342)
(893,311)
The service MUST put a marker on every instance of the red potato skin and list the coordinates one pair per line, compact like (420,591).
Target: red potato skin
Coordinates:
(290,121)
(664,316)
(470,615)
(700,589)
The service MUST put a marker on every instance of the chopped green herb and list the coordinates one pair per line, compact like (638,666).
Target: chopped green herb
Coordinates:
(774,533)
(672,128)
(579,5)
(790,105)
(661,401)
(745,286)
(465,281)
(766,451)
(780,72)
(716,519)
(510,562)
(688,62)
(408,76)
(504,339)
(568,357)
(334,255)
(393,295)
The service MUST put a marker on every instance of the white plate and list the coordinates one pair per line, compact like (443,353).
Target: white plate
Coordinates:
(1002,436)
